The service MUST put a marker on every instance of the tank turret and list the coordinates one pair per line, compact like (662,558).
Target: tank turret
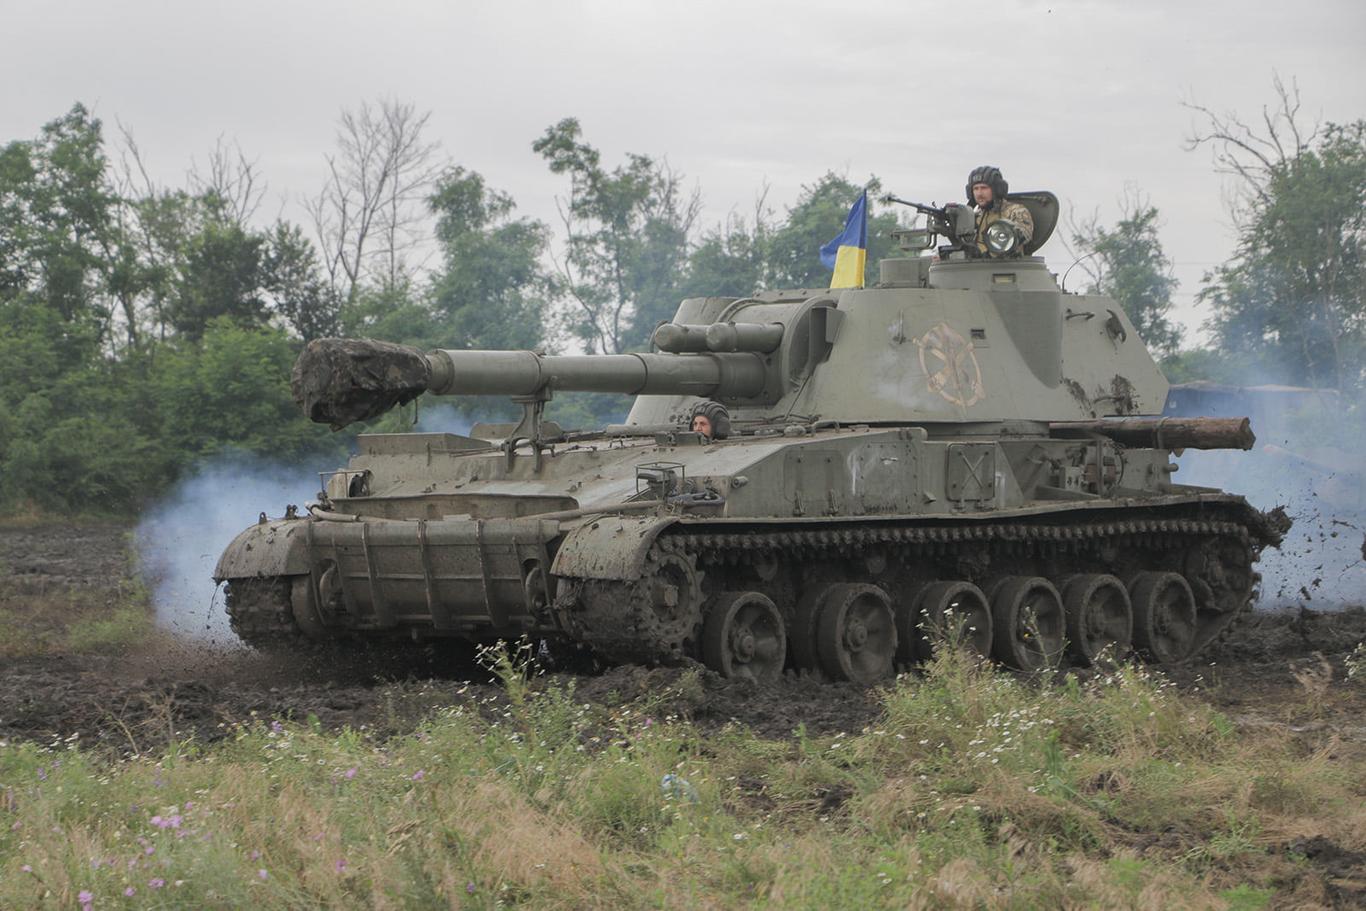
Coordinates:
(962,449)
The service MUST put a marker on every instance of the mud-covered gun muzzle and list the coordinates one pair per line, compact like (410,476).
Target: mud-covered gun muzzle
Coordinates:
(340,381)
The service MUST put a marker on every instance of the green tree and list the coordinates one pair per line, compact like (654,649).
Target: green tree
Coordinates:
(231,390)
(58,238)
(1292,299)
(221,276)
(627,245)
(293,283)
(490,290)
(1127,263)
(731,260)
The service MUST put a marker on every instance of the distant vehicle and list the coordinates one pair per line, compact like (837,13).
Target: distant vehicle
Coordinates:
(961,449)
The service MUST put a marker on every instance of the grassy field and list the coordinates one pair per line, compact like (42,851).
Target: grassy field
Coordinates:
(975,790)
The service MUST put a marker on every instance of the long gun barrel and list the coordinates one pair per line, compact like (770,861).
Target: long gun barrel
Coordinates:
(339,381)
(1167,433)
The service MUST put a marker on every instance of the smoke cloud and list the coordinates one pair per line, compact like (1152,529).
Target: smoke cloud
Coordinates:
(1307,460)
(443,418)
(180,539)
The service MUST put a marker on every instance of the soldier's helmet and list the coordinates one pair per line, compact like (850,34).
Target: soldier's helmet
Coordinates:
(717,414)
(992,177)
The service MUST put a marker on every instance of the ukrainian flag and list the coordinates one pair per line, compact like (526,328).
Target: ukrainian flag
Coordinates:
(848,251)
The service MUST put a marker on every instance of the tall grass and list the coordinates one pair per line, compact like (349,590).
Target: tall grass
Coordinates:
(975,789)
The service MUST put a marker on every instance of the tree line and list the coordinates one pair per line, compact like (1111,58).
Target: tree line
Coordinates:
(145,327)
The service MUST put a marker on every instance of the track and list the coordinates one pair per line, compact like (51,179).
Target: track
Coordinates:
(663,617)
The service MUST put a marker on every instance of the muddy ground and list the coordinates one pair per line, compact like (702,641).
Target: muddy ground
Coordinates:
(1282,669)
(169,688)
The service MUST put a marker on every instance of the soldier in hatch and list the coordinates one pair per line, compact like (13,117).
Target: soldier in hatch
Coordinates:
(711,419)
(987,193)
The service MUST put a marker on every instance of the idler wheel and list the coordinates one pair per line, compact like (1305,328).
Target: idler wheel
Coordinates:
(1099,617)
(856,633)
(955,612)
(744,637)
(1027,614)
(1164,616)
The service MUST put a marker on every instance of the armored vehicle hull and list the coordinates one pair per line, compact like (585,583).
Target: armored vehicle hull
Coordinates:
(961,451)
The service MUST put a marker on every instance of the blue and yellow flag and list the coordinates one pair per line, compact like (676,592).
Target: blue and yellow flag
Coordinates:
(848,251)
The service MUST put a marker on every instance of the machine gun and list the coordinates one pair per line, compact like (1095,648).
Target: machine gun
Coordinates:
(956,223)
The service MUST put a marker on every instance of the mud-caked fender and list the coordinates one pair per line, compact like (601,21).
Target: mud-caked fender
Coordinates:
(609,547)
(276,548)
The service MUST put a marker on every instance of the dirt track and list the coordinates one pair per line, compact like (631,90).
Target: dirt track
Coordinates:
(1282,668)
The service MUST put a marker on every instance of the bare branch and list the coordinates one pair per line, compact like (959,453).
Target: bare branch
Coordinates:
(1254,156)
(232,181)
(371,212)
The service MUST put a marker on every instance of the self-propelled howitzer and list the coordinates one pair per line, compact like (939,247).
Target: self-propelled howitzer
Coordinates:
(962,449)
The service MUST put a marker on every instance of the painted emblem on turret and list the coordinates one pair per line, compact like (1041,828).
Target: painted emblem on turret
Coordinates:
(950,365)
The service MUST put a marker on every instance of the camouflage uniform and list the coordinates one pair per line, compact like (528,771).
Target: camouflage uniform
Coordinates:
(1011,211)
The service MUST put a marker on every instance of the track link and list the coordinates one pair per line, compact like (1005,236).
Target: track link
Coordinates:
(260,612)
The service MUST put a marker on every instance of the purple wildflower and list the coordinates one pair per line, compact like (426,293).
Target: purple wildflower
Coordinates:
(26,868)
(149,850)
(42,773)
(255,855)
(277,727)
(156,883)
(84,897)
(349,773)
(419,775)
(469,887)
(340,865)
(130,892)
(262,874)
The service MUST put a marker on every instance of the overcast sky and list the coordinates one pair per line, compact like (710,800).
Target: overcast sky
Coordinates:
(1082,98)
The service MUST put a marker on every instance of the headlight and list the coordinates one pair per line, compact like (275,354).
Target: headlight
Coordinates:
(1000,237)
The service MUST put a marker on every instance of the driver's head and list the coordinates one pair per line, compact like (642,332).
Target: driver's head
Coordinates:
(986,186)
(711,419)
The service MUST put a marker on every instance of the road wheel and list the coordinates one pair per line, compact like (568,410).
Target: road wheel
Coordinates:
(1099,617)
(955,612)
(744,637)
(856,633)
(1164,616)
(1027,614)
(801,636)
